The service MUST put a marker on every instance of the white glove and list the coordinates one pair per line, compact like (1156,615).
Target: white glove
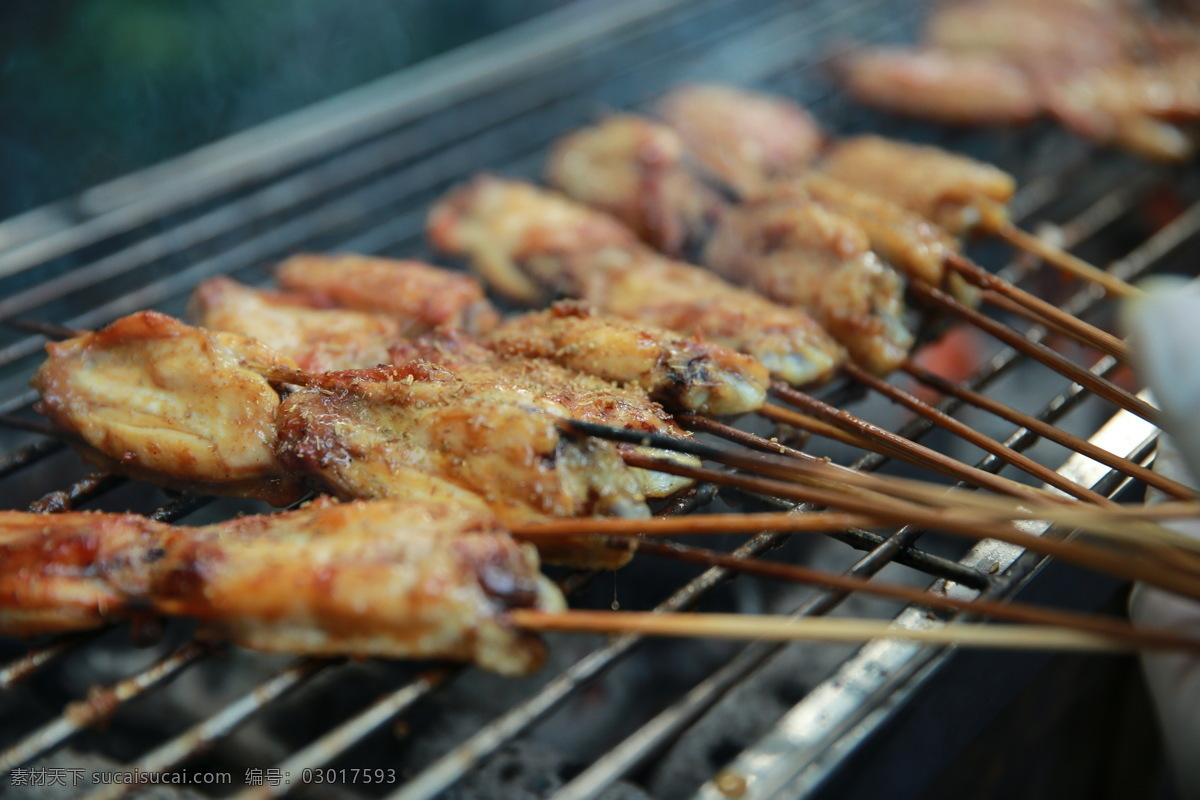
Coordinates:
(1165,334)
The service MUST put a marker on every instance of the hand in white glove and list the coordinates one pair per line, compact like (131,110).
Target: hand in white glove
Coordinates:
(1165,334)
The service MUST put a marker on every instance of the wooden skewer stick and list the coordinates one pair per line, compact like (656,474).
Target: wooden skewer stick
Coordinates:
(1122,565)
(898,446)
(1033,307)
(878,491)
(1104,388)
(47,329)
(1103,524)
(980,440)
(1179,546)
(1048,431)
(1015,611)
(1063,260)
(697,524)
(816,629)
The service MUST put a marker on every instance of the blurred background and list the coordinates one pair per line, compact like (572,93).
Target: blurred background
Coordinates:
(93,89)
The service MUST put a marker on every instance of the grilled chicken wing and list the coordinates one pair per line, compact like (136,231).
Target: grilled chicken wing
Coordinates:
(805,255)
(910,242)
(636,170)
(958,88)
(365,433)
(954,191)
(419,296)
(158,400)
(583,397)
(398,578)
(318,339)
(681,372)
(743,138)
(531,243)
(1032,31)
(1134,106)
(518,237)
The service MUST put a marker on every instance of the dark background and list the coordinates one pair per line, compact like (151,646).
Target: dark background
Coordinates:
(93,89)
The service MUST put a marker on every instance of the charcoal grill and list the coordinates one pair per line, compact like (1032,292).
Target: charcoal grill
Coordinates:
(358,173)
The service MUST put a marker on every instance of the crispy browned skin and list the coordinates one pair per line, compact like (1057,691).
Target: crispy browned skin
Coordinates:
(637,170)
(518,237)
(398,578)
(532,244)
(295,324)
(387,432)
(419,296)
(581,396)
(950,87)
(743,138)
(684,373)
(903,238)
(952,190)
(803,254)
(158,400)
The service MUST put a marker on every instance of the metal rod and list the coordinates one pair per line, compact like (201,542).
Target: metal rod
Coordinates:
(339,739)
(99,705)
(195,739)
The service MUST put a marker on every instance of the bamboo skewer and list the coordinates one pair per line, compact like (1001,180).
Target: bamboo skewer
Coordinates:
(1056,513)
(898,446)
(878,490)
(1063,260)
(816,629)
(1048,431)
(697,524)
(1100,386)
(1122,565)
(980,440)
(1017,300)
(47,329)
(1018,612)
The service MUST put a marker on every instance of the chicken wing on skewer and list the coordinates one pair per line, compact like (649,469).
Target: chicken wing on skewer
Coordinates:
(1034,32)
(1134,106)
(744,138)
(636,170)
(804,255)
(298,325)
(519,237)
(158,400)
(419,296)
(531,244)
(581,396)
(955,191)
(916,246)
(396,578)
(364,433)
(950,87)
(681,372)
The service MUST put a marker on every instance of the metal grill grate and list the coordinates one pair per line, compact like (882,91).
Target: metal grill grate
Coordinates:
(357,173)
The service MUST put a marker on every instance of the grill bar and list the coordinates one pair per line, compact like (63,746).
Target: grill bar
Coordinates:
(174,752)
(349,733)
(100,704)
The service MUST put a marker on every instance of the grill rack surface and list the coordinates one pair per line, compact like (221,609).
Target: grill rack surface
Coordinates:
(358,173)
